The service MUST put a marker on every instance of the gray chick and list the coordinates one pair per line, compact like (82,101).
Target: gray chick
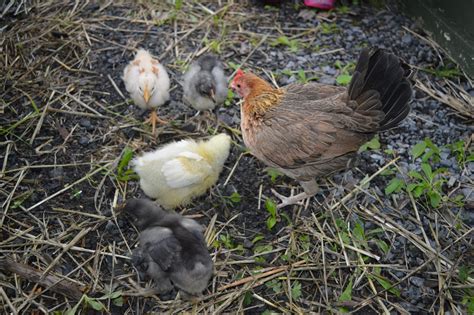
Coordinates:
(172,249)
(205,84)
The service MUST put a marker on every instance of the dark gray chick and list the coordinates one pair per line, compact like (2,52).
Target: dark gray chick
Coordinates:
(205,84)
(172,249)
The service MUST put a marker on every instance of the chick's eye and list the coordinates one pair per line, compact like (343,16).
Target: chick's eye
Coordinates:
(238,85)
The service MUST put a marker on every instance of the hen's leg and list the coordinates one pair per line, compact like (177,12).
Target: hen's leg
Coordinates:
(153,119)
(310,189)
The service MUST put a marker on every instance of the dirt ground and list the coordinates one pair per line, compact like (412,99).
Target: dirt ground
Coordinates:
(66,122)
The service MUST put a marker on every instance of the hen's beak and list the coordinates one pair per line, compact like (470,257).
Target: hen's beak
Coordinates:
(146,94)
(213,95)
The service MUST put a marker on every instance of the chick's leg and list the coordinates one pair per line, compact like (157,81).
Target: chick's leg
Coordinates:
(310,189)
(153,119)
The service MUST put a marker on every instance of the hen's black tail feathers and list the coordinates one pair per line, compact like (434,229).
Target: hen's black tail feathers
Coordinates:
(380,82)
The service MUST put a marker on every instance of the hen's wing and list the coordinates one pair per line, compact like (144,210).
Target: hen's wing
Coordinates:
(187,169)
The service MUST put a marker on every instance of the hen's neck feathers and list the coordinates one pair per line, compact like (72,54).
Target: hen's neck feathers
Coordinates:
(262,96)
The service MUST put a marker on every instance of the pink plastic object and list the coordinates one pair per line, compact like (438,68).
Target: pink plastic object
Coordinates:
(320,4)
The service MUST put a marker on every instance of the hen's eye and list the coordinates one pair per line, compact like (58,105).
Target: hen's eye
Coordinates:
(238,85)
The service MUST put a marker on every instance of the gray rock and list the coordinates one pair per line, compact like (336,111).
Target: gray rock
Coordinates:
(407,40)
(83,140)
(419,282)
(327,80)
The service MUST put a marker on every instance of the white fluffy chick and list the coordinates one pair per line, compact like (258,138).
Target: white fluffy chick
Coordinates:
(148,84)
(205,84)
(180,171)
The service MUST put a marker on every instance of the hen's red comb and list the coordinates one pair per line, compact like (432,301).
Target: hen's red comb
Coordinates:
(239,73)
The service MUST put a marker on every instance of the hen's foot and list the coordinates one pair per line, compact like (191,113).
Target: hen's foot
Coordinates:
(153,119)
(291,200)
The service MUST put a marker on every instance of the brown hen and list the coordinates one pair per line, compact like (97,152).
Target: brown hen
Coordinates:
(312,130)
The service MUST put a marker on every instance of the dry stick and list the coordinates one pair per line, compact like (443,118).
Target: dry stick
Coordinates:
(251,53)
(52,282)
(68,187)
(170,47)
(259,276)
(9,303)
(362,183)
(6,204)
(116,87)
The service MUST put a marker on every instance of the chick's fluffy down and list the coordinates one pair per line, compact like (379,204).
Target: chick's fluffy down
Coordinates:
(180,171)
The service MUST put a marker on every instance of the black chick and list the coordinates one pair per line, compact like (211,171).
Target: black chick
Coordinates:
(172,250)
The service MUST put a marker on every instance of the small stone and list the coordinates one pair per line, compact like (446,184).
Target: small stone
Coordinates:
(86,123)
(83,140)
(327,80)
(419,282)
(248,244)
(407,40)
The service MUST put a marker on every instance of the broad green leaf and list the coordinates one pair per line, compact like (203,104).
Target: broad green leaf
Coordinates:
(347,293)
(387,285)
(418,191)
(235,197)
(271,207)
(418,149)
(296,290)
(382,245)
(394,185)
(257,238)
(426,168)
(415,174)
(247,298)
(118,301)
(271,221)
(343,79)
(435,198)
(373,144)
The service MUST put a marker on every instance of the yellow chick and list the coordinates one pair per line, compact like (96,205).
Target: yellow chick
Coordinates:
(180,171)
(148,84)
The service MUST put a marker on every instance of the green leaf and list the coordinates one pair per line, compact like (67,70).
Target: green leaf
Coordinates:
(271,207)
(118,301)
(358,231)
(271,221)
(273,173)
(435,198)
(296,290)
(178,4)
(262,249)
(387,285)
(257,238)
(415,174)
(235,197)
(275,285)
(343,79)
(418,149)
(127,156)
(394,185)
(347,293)
(247,298)
(98,306)
(382,245)
(373,144)
(426,168)
(418,191)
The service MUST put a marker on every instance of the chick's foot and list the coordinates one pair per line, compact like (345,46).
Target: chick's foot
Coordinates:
(153,119)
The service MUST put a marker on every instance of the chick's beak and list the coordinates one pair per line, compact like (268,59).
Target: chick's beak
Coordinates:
(146,94)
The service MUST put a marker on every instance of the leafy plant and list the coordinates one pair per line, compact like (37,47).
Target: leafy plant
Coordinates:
(273,173)
(427,150)
(293,44)
(230,98)
(344,78)
(296,290)
(346,295)
(124,173)
(234,198)
(444,72)
(458,149)
(427,183)
(275,285)
(329,28)
(96,303)
(373,144)
(272,210)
